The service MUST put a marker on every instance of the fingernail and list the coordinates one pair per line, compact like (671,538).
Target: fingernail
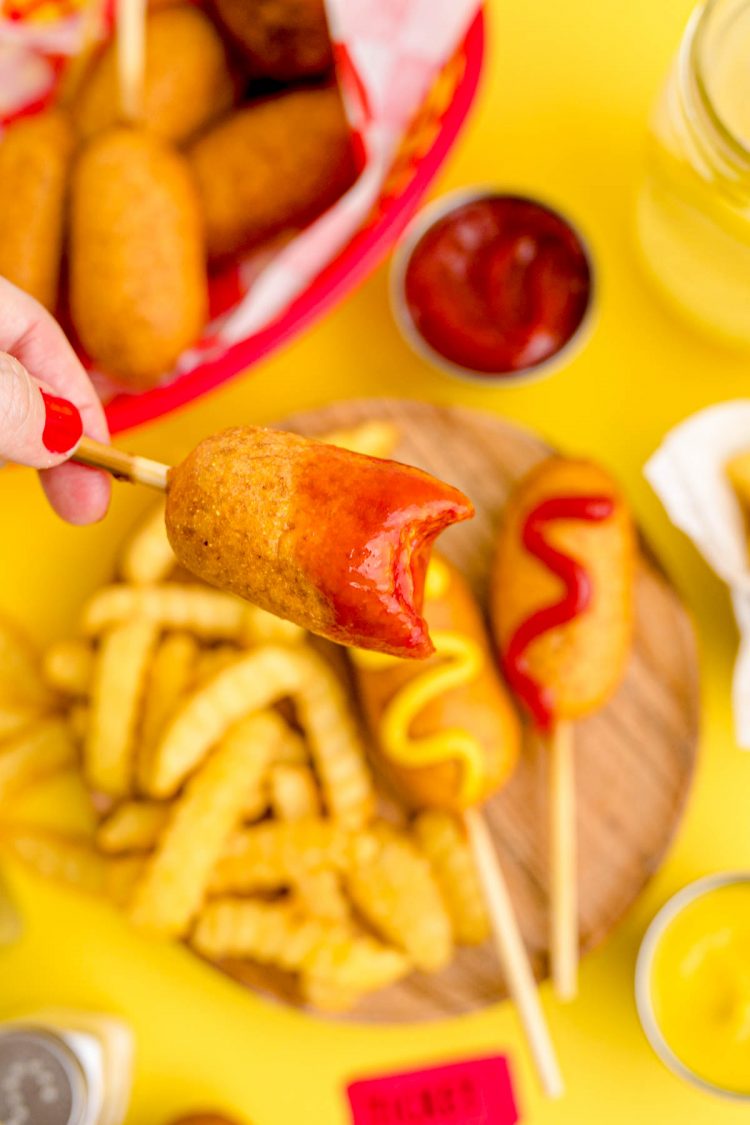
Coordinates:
(63,426)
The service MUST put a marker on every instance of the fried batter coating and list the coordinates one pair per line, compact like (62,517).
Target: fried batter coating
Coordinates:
(284,39)
(271,167)
(187,81)
(34,161)
(137,270)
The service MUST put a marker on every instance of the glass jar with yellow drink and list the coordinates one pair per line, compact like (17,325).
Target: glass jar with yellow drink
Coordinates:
(693,210)
(693,984)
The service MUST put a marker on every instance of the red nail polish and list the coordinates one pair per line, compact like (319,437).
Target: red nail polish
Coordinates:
(63,426)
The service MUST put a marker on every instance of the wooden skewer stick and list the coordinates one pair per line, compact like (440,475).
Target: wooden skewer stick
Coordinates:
(131,56)
(512,953)
(563,861)
(124,466)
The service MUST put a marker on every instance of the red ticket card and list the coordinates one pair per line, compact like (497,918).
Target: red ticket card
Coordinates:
(475,1092)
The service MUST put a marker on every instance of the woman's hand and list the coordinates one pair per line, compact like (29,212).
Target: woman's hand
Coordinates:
(46,403)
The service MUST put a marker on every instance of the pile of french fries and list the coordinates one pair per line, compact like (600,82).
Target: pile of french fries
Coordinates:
(236,807)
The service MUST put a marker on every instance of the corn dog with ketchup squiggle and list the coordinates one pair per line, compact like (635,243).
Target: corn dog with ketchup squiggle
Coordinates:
(563,612)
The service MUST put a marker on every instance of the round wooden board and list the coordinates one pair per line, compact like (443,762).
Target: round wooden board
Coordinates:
(634,759)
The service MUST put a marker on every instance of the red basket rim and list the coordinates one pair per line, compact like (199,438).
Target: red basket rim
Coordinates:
(360,256)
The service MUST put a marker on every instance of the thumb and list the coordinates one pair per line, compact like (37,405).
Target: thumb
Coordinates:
(37,428)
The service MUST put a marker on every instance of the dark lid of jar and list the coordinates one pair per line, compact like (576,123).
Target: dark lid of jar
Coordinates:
(41,1080)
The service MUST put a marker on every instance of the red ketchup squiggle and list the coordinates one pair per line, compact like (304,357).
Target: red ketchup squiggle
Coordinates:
(538,698)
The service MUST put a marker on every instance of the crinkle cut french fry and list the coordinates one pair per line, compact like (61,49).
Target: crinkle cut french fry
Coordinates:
(134,826)
(327,996)
(35,753)
(169,679)
(66,859)
(68,667)
(256,805)
(375,438)
(203,818)
(196,609)
(394,889)
(213,660)
(272,854)
(148,557)
(258,680)
(78,721)
(273,933)
(280,934)
(294,792)
(324,710)
(321,894)
(15,718)
(250,684)
(21,680)
(292,749)
(116,692)
(122,874)
(441,838)
(359,965)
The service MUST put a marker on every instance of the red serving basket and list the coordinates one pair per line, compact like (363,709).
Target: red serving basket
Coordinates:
(424,148)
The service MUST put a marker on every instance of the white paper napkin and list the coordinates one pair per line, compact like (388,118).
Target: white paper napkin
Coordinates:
(688,474)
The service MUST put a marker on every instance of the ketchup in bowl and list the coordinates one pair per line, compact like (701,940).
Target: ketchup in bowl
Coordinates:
(495,286)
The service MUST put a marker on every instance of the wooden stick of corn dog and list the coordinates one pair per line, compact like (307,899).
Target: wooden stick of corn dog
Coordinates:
(563,859)
(464,749)
(512,953)
(130,18)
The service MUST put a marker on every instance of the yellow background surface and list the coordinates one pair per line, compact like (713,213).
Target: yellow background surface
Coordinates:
(561,113)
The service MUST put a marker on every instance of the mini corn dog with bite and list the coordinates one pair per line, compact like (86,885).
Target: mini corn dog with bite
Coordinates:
(336,541)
